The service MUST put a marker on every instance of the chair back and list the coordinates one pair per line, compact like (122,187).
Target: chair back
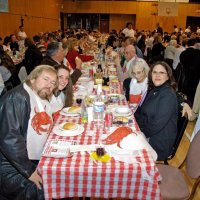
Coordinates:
(180,76)
(181,126)
(22,74)
(193,157)
(126,87)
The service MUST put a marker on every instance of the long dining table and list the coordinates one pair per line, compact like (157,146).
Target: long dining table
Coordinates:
(81,176)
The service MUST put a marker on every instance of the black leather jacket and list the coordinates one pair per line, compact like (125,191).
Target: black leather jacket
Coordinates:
(14,115)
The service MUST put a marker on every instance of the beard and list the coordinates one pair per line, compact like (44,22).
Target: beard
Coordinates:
(44,93)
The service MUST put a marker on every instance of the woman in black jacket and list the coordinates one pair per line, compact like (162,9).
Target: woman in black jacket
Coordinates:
(157,117)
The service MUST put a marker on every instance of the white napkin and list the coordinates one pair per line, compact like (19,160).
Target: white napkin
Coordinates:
(87,91)
(84,147)
(131,143)
(129,157)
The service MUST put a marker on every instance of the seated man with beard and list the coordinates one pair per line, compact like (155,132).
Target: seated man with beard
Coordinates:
(26,121)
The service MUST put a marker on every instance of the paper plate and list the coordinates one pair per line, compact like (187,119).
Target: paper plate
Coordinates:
(68,133)
(65,111)
(62,129)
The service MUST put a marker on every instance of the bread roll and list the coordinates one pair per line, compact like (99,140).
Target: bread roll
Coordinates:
(122,119)
(69,126)
(106,88)
(73,109)
(114,80)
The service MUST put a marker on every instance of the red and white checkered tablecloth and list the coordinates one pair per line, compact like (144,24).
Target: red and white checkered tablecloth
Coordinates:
(80,176)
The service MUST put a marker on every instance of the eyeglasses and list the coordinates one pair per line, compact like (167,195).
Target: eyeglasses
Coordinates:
(47,79)
(159,73)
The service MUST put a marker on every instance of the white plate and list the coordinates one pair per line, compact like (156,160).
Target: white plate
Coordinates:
(84,79)
(70,114)
(111,63)
(121,113)
(65,112)
(122,110)
(112,69)
(62,129)
(120,96)
(112,76)
(68,133)
(103,97)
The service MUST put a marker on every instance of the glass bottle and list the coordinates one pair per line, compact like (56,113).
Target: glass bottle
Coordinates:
(84,114)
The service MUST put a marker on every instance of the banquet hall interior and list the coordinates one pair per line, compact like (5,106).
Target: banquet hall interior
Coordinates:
(38,17)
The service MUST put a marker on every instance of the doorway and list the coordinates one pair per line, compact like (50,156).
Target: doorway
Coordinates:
(104,23)
(82,21)
(88,22)
(193,22)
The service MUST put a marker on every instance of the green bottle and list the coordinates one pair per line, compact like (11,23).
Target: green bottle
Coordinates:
(84,114)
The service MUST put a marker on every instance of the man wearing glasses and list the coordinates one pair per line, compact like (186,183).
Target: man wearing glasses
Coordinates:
(26,121)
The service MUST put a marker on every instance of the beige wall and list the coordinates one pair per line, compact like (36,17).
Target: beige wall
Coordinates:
(44,15)
(143,10)
(118,22)
(39,15)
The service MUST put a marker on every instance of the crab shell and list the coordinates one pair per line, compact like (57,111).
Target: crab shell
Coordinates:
(118,135)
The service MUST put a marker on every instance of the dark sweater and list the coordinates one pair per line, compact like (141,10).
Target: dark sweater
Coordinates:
(157,119)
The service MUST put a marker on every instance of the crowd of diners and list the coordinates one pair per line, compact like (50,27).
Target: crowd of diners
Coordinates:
(145,61)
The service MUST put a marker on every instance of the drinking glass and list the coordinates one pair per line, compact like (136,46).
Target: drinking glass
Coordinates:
(79,100)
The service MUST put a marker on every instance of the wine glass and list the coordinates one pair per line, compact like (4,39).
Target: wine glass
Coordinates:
(79,100)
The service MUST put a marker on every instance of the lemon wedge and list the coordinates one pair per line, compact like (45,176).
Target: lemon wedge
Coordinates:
(104,158)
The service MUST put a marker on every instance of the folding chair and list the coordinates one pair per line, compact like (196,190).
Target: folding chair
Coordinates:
(173,185)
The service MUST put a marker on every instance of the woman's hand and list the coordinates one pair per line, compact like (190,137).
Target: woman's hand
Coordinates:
(78,62)
(117,60)
(36,178)
(187,111)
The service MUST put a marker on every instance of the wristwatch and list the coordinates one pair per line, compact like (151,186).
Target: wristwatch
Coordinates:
(182,104)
